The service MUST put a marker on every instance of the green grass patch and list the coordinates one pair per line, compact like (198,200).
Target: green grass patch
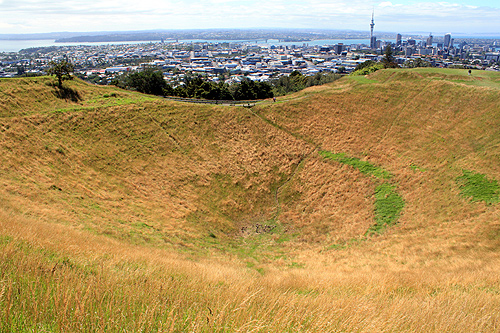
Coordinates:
(363,166)
(388,207)
(388,203)
(294,264)
(368,70)
(478,187)
(5,239)
(362,79)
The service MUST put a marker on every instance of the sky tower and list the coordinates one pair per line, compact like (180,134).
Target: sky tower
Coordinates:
(372,25)
(373,39)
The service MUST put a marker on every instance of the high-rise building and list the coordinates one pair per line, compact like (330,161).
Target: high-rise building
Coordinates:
(339,48)
(398,39)
(447,41)
(429,40)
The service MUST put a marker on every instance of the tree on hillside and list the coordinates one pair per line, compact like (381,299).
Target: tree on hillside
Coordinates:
(62,70)
(289,83)
(419,62)
(365,64)
(250,90)
(388,60)
(21,70)
(296,81)
(148,81)
(342,70)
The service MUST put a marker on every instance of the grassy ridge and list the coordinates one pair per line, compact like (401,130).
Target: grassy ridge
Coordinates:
(402,119)
(28,96)
(123,212)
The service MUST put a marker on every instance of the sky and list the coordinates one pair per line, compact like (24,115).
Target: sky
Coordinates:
(403,16)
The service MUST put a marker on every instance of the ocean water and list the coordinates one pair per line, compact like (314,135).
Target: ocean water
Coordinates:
(17,45)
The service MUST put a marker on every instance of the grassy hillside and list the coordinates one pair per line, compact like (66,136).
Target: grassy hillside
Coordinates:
(146,170)
(370,204)
(424,126)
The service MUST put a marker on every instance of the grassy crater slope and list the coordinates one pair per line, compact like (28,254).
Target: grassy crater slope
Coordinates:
(124,212)
(142,169)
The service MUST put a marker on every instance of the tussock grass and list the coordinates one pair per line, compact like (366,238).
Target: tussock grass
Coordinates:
(77,282)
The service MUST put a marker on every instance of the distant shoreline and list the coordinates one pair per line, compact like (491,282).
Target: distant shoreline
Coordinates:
(9,45)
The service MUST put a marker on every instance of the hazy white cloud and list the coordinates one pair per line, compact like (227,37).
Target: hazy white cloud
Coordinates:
(388,4)
(4,25)
(395,15)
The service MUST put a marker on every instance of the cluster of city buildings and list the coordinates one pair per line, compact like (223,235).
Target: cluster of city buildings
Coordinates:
(232,61)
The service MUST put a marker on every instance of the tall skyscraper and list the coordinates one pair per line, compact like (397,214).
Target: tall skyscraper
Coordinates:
(373,39)
(429,39)
(398,39)
(447,41)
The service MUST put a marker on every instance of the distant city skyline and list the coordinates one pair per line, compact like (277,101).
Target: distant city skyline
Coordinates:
(403,16)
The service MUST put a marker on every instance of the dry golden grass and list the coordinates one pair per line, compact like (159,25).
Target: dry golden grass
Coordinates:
(320,200)
(127,215)
(78,282)
(155,172)
(421,130)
